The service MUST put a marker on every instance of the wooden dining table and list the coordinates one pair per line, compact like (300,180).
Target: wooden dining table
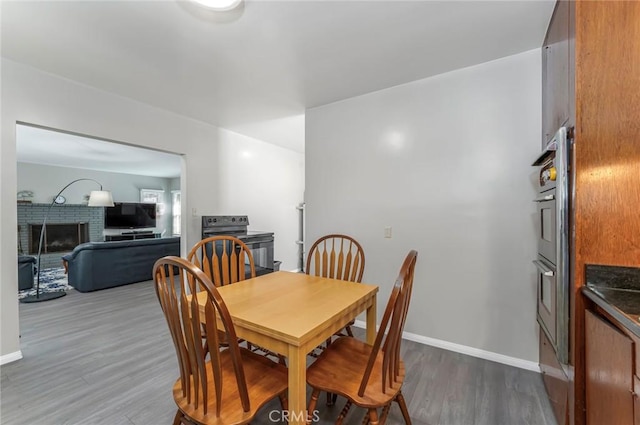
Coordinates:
(291,314)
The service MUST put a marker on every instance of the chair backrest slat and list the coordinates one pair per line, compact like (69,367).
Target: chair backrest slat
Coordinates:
(225,264)
(211,326)
(176,294)
(336,256)
(341,263)
(223,259)
(389,335)
(332,264)
(347,266)
(325,265)
(316,260)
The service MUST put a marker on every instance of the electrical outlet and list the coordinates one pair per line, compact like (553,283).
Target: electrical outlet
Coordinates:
(387,232)
(194,212)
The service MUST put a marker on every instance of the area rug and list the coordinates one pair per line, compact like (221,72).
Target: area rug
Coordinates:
(51,280)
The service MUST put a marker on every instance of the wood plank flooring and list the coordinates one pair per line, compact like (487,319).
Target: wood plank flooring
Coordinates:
(106,357)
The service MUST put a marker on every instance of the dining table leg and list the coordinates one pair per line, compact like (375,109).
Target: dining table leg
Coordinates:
(371,322)
(297,386)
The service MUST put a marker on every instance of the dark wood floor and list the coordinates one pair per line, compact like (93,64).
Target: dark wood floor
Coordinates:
(106,357)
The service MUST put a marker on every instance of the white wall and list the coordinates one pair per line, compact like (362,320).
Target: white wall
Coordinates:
(45,181)
(268,189)
(35,97)
(444,161)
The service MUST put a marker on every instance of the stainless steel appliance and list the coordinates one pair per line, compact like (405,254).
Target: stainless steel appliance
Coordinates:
(260,243)
(553,243)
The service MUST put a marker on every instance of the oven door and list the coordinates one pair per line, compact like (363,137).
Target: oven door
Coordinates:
(262,252)
(547,299)
(547,225)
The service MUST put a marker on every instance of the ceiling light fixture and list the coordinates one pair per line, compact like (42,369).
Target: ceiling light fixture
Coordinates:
(219,5)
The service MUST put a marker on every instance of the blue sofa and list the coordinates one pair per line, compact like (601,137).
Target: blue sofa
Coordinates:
(26,266)
(99,265)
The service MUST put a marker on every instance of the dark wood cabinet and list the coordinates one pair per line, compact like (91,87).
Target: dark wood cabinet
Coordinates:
(610,373)
(590,85)
(556,61)
(606,195)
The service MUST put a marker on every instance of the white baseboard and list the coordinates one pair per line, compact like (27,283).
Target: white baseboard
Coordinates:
(11,357)
(463,349)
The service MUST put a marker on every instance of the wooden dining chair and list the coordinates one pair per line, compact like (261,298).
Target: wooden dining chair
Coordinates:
(341,257)
(337,257)
(225,259)
(369,376)
(231,386)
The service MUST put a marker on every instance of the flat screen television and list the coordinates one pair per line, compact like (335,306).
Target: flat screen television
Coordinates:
(130,215)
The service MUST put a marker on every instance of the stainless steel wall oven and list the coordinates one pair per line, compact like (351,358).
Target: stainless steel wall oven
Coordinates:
(547,305)
(547,225)
(553,231)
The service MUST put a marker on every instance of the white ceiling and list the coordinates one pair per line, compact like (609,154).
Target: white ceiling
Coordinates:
(41,146)
(257,69)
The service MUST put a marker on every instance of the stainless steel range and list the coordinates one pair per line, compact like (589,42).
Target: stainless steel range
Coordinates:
(553,243)
(260,243)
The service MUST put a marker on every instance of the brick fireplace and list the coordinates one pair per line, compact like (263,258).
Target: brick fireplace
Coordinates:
(57,237)
(67,226)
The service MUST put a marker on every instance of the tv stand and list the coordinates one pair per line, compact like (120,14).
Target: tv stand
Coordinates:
(130,236)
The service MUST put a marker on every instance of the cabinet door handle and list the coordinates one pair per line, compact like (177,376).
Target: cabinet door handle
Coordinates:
(545,198)
(543,268)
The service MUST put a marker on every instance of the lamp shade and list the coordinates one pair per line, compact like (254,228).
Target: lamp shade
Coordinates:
(100,198)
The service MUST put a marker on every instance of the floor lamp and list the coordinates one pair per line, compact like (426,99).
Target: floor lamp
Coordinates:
(97,198)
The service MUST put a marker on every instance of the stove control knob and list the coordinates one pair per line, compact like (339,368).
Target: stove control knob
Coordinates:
(233,219)
(553,173)
(215,220)
(209,220)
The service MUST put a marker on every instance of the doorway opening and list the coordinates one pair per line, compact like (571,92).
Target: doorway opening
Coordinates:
(49,159)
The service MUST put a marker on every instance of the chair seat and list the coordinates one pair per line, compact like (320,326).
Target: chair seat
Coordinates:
(339,370)
(265,379)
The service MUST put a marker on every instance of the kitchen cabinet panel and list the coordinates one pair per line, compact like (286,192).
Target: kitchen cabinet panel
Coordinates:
(606,153)
(609,373)
(590,84)
(556,61)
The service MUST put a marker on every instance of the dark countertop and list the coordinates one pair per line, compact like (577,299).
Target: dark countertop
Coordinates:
(617,291)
